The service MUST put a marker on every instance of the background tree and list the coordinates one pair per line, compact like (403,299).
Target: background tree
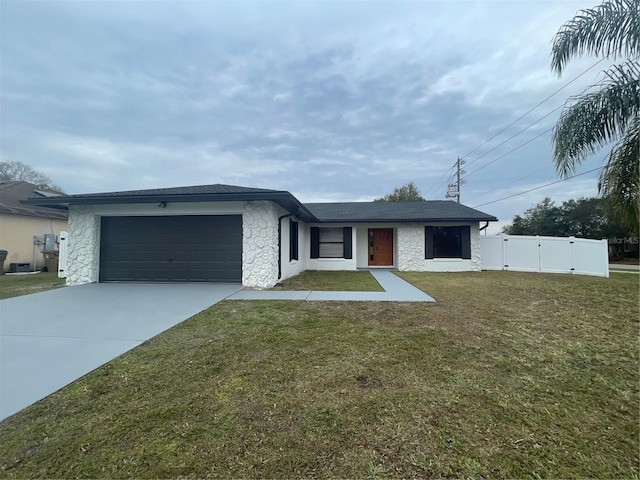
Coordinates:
(21,172)
(585,218)
(610,114)
(542,219)
(405,193)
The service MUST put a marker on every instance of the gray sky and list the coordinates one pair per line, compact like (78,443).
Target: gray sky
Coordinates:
(332,101)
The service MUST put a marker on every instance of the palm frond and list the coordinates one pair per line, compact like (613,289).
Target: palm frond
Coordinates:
(612,28)
(620,178)
(590,121)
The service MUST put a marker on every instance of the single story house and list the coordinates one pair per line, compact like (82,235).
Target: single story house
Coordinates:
(257,237)
(20,223)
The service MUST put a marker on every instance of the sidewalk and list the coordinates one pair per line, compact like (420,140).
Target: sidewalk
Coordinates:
(395,290)
(622,268)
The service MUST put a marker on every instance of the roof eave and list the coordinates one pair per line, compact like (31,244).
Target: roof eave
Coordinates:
(55,215)
(405,220)
(284,199)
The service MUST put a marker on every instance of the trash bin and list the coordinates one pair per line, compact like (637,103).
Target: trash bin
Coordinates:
(51,260)
(3,257)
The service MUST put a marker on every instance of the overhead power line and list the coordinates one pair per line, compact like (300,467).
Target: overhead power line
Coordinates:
(541,186)
(514,135)
(441,181)
(536,106)
(509,152)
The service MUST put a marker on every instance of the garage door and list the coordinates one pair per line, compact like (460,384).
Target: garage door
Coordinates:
(171,249)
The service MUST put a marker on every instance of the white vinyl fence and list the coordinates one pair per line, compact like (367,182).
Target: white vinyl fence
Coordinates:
(62,259)
(545,254)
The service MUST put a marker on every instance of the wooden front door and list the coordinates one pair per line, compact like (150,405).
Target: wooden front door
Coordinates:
(381,246)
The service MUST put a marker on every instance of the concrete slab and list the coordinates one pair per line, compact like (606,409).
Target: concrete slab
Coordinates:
(623,266)
(49,339)
(398,288)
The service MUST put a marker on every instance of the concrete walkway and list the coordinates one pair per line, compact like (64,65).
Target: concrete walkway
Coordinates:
(395,290)
(50,339)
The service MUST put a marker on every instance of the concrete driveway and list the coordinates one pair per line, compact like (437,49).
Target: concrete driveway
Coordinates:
(49,339)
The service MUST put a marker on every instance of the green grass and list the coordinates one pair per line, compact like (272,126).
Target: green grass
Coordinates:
(508,376)
(337,281)
(16,285)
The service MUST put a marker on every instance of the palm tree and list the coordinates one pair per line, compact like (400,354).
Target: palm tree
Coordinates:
(607,115)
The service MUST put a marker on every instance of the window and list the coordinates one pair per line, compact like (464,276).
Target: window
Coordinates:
(331,242)
(448,242)
(293,240)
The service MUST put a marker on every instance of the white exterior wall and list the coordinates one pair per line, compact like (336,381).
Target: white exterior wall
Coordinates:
(259,236)
(186,208)
(362,247)
(260,244)
(411,250)
(291,268)
(83,249)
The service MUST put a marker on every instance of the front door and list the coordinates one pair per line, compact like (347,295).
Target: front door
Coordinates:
(381,246)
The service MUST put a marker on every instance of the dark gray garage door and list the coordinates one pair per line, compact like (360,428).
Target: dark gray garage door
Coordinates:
(171,249)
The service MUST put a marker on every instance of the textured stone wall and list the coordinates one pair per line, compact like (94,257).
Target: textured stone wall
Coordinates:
(410,239)
(411,252)
(476,261)
(84,245)
(260,244)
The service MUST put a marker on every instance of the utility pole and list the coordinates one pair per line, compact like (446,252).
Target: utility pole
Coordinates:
(454,188)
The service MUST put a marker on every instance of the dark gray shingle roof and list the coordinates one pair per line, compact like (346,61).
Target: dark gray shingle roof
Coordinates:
(197,193)
(12,194)
(431,210)
(437,210)
(217,189)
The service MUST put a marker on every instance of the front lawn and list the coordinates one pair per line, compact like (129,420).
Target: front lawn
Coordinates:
(508,376)
(359,281)
(16,285)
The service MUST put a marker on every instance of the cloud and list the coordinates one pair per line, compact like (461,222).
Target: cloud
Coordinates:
(341,101)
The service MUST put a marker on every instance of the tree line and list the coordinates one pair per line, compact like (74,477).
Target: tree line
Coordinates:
(585,217)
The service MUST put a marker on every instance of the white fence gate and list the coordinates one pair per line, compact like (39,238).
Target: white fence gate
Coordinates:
(62,259)
(545,254)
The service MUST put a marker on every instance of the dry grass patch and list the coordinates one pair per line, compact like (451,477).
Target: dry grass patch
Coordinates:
(16,285)
(507,376)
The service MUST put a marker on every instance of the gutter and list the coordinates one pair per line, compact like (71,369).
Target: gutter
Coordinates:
(485,226)
(287,215)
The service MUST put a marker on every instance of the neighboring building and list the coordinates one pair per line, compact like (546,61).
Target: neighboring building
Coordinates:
(257,237)
(19,223)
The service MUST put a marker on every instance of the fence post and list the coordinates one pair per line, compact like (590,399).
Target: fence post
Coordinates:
(505,252)
(572,248)
(606,256)
(62,258)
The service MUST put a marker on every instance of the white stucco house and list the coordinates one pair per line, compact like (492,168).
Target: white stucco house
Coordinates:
(257,237)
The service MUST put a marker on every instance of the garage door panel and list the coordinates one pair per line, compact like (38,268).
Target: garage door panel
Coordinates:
(172,249)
